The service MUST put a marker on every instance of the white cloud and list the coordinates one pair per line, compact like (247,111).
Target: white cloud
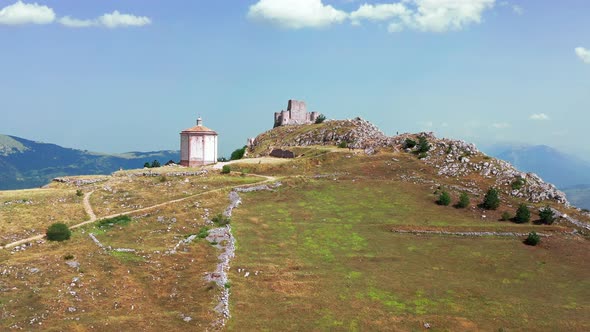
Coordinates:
(583,54)
(297,14)
(116,19)
(518,10)
(26,13)
(500,125)
(76,23)
(444,15)
(381,12)
(539,116)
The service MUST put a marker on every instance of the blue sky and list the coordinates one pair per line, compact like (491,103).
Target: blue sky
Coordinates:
(116,76)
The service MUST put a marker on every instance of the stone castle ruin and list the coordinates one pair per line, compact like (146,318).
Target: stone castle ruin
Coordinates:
(295,114)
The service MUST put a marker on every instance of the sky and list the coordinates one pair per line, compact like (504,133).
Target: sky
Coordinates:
(117,76)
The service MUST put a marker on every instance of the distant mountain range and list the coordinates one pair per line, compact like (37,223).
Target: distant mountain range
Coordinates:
(29,164)
(569,173)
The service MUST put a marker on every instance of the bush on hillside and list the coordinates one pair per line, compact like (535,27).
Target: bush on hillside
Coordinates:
(506,216)
(547,215)
(155,164)
(320,119)
(523,215)
(221,220)
(423,145)
(79,193)
(225,169)
(58,232)
(147,165)
(533,239)
(409,143)
(444,199)
(238,154)
(491,201)
(517,184)
(463,201)
(343,145)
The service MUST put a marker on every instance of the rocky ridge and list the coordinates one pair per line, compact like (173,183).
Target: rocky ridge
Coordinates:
(452,158)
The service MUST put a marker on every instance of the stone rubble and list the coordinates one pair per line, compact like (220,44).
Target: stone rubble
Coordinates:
(466,234)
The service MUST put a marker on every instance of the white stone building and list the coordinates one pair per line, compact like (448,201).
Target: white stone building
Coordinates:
(198,146)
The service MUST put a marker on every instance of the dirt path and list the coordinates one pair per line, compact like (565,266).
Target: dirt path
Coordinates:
(93,217)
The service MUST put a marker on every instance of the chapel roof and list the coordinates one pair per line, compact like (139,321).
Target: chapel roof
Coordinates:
(200,129)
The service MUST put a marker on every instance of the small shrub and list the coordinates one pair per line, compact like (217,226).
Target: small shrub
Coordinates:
(423,145)
(487,157)
(491,200)
(221,220)
(68,257)
(585,210)
(533,239)
(422,155)
(227,285)
(463,201)
(79,193)
(343,145)
(523,215)
(163,178)
(238,154)
(320,119)
(225,169)
(222,159)
(506,216)
(155,164)
(147,165)
(444,199)
(409,143)
(517,184)
(547,215)
(58,232)
(203,233)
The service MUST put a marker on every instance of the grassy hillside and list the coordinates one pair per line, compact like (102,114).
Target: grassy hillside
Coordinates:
(337,240)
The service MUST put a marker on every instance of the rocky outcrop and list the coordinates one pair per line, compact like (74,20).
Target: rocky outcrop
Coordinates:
(451,158)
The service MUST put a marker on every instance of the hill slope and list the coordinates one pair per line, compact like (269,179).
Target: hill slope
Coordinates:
(29,164)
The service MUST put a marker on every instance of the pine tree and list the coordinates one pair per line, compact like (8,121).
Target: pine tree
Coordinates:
(523,215)
(444,199)
(547,215)
(463,201)
(492,200)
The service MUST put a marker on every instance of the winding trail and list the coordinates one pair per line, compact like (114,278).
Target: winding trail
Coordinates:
(93,217)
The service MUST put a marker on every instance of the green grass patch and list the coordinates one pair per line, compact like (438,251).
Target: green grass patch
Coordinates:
(116,221)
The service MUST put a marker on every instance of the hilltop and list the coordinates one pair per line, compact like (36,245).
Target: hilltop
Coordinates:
(336,238)
(29,164)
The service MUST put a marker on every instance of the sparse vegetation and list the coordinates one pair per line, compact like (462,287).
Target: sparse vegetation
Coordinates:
(422,155)
(68,257)
(58,232)
(547,215)
(238,154)
(409,143)
(320,119)
(517,184)
(464,201)
(423,145)
(506,216)
(343,145)
(491,200)
(119,221)
(444,199)
(79,193)
(163,178)
(226,169)
(523,214)
(533,239)
(203,233)
(221,159)
(221,220)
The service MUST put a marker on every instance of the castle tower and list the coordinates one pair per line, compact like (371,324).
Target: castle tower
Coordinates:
(198,146)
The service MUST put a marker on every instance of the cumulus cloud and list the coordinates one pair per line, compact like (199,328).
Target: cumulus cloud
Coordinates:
(422,15)
(116,19)
(76,23)
(21,13)
(444,15)
(297,14)
(583,54)
(26,13)
(381,12)
(539,117)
